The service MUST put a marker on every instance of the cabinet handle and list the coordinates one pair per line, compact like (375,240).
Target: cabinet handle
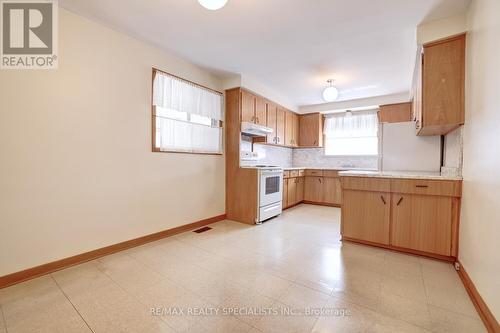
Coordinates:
(422,186)
(314,142)
(383,200)
(257,120)
(319,179)
(399,201)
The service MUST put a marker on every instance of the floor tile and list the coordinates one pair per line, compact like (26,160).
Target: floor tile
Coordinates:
(290,274)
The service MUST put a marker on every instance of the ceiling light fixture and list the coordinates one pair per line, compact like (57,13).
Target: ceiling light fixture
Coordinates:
(330,93)
(213,4)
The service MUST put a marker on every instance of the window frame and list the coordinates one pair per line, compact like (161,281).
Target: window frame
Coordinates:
(155,149)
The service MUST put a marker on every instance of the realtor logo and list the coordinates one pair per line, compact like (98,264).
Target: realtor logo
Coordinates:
(29,34)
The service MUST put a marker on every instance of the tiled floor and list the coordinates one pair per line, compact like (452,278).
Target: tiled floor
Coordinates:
(253,275)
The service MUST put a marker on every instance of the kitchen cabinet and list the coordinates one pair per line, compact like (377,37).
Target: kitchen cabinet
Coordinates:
(253,108)
(311,130)
(439,87)
(413,215)
(422,222)
(313,191)
(280,126)
(395,113)
(331,191)
(247,107)
(292,189)
(291,129)
(271,109)
(366,216)
(285,193)
(300,189)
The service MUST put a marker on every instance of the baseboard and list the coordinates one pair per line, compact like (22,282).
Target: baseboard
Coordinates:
(31,273)
(486,315)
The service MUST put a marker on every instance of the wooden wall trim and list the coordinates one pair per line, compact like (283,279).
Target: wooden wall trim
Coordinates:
(486,315)
(31,273)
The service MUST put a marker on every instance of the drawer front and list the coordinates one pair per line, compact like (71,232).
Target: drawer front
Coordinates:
(294,173)
(302,173)
(366,184)
(286,174)
(330,173)
(448,188)
(316,173)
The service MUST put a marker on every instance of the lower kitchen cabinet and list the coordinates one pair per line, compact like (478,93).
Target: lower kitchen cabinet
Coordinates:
(285,193)
(292,189)
(413,215)
(366,216)
(313,189)
(422,223)
(300,189)
(332,191)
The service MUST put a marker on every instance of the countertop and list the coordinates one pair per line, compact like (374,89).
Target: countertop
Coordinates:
(399,174)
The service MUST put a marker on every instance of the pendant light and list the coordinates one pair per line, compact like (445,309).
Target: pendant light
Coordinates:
(330,93)
(212,4)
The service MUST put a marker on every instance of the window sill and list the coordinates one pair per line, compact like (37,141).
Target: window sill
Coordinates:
(156,150)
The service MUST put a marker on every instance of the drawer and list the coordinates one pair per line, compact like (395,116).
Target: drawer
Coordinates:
(366,184)
(448,188)
(286,174)
(302,173)
(330,173)
(312,172)
(294,173)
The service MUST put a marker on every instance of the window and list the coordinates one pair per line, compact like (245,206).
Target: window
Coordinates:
(186,117)
(355,135)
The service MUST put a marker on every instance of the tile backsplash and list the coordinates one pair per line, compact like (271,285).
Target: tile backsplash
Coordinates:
(307,157)
(453,153)
(315,157)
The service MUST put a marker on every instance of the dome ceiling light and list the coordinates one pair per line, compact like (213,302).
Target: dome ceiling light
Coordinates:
(330,93)
(213,4)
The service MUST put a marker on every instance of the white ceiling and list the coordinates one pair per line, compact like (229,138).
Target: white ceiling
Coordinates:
(290,46)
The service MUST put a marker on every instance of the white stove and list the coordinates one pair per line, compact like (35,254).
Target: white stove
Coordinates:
(270,192)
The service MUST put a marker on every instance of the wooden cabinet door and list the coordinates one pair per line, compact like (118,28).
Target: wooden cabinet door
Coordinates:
(366,216)
(271,122)
(422,222)
(292,188)
(313,190)
(260,111)
(300,189)
(295,135)
(285,193)
(247,107)
(280,126)
(288,128)
(311,130)
(332,191)
(443,86)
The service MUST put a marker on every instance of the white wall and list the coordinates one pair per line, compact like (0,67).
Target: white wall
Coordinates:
(437,29)
(77,172)
(480,225)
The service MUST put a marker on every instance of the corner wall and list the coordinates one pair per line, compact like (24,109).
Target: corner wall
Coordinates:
(480,219)
(77,172)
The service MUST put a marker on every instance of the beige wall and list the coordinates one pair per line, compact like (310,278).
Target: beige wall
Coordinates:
(480,225)
(77,172)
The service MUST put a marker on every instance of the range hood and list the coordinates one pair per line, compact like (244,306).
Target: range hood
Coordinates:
(254,129)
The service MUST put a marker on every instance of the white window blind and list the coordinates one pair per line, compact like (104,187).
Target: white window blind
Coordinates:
(188,117)
(355,135)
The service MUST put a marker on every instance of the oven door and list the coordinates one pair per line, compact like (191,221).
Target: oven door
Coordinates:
(271,187)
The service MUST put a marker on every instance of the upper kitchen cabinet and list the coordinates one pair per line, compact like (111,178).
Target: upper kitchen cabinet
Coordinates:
(276,121)
(291,129)
(253,108)
(438,92)
(311,130)
(395,113)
